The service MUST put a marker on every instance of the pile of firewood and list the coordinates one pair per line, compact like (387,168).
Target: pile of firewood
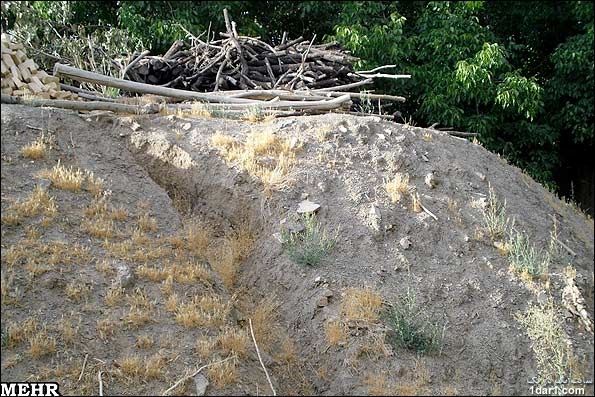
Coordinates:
(247,63)
(21,76)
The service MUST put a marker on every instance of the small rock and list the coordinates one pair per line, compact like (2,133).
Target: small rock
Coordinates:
(294,227)
(425,158)
(124,276)
(135,126)
(430,180)
(328,293)
(286,123)
(201,383)
(481,176)
(381,137)
(317,280)
(542,298)
(375,218)
(186,126)
(277,236)
(122,135)
(322,302)
(307,207)
(405,242)
(305,196)
(342,129)
(44,183)
(293,143)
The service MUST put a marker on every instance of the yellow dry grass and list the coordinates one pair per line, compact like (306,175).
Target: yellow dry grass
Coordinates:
(35,150)
(223,374)
(361,304)
(66,178)
(106,328)
(336,332)
(41,345)
(204,348)
(144,342)
(398,187)
(263,155)
(38,202)
(233,341)
(202,312)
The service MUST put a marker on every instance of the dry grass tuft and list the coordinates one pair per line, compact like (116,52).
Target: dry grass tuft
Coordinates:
(74,290)
(114,295)
(336,332)
(545,327)
(198,237)
(144,342)
(263,155)
(154,366)
(106,328)
(398,187)
(68,331)
(119,214)
(204,348)
(101,228)
(264,316)
(38,202)
(203,312)
(131,366)
(19,332)
(35,150)
(223,374)
(66,178)
(377,384)
(94,184)
(361,304)
(147,223)
(233,341)
(41,345)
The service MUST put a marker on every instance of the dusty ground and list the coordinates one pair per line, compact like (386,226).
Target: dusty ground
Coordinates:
(197,230)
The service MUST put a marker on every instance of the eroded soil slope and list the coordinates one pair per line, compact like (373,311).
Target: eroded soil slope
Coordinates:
(175,235)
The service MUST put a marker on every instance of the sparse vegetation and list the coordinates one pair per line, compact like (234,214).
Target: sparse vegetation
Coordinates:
(398,187)
(525,258)
(545,329)
(336,332)
(495,218)
(66,178)
(361,304)
(411,329)
(233,341)
(223,374)
(310,246)
(41,344)
(35,150)
(263,155)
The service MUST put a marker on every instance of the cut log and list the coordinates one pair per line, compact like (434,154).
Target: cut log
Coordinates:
(75,105)
(95,78)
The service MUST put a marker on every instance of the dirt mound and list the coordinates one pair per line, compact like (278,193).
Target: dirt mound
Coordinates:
(144,247)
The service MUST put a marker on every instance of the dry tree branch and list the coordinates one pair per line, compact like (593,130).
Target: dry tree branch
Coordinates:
(260,358)
(185,378)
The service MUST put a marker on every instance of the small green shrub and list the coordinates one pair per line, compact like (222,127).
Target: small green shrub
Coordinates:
(309,246)
(411,329)
(494,215)
(525,258)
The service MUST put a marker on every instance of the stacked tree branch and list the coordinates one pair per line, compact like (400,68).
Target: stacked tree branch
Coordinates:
(246,63)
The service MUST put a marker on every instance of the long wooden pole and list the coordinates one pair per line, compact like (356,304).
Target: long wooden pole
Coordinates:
(96,78)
